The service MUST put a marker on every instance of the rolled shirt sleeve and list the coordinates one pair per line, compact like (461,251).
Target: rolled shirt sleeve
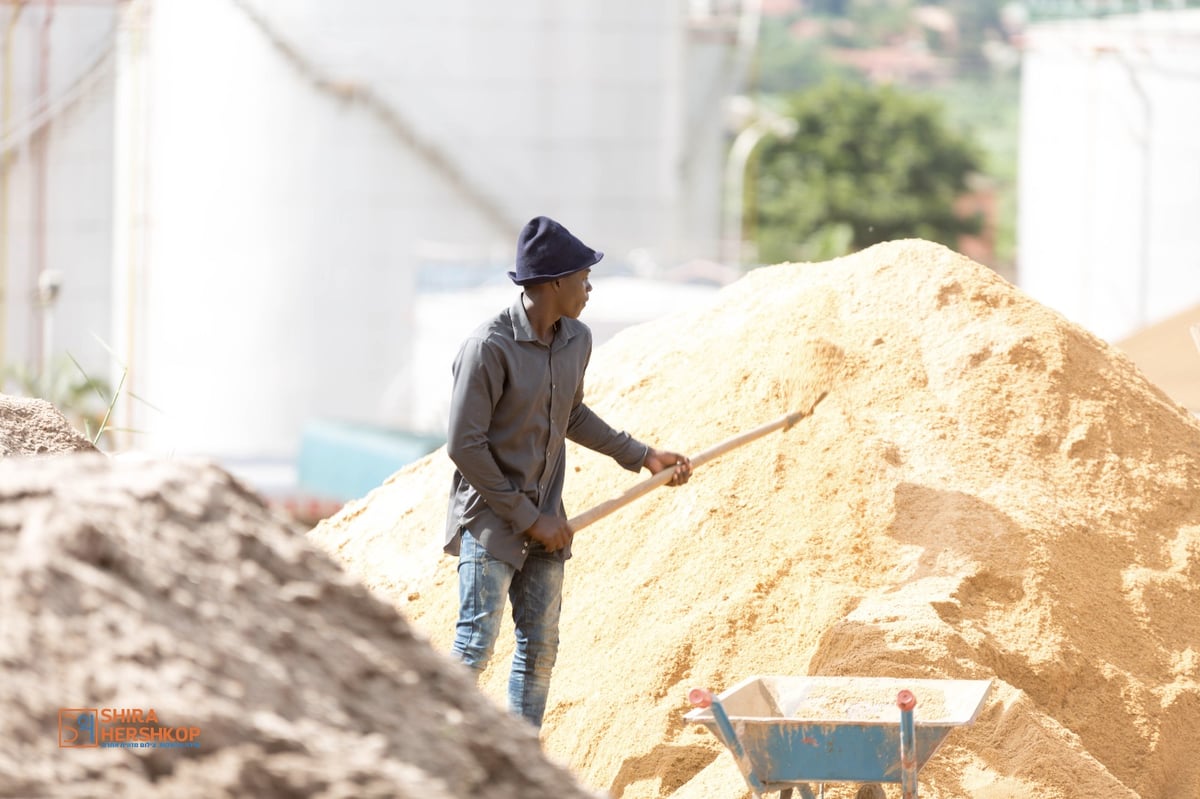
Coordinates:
(589,430)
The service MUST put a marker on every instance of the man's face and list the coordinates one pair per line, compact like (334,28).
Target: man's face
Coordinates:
(573,291)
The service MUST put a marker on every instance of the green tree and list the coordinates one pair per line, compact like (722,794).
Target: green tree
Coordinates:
(866,165)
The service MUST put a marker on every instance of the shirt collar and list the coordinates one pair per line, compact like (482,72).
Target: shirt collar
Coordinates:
(523,328)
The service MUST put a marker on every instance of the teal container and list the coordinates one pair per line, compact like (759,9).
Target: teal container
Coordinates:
(344,460)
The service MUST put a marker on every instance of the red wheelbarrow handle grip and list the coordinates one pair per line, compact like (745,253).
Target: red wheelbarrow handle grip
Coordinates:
(700,697)
(905,700)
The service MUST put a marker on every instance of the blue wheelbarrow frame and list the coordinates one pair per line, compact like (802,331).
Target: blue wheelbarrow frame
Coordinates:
(791,732)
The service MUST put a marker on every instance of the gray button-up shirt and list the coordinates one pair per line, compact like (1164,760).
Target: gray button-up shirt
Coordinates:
(514,403)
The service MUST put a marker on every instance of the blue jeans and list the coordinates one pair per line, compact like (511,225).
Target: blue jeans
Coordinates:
(536,594)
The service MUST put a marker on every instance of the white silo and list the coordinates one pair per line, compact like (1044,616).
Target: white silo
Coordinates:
(276,280)
(1110,168)
(302,158)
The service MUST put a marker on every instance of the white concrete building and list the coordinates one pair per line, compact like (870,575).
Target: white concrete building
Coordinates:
(1109,183)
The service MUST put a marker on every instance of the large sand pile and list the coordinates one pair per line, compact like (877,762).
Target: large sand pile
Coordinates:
(167,586)
(987,492)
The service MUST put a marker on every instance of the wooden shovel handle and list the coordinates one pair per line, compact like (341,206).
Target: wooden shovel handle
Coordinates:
(662,478)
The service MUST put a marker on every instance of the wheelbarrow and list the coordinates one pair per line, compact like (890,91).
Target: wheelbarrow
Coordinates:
(793,732)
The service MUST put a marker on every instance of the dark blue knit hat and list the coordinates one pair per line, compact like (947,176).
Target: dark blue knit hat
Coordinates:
(547,251)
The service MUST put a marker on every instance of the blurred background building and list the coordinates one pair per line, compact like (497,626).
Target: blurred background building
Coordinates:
(1110,168)
(243,203)
(265,225)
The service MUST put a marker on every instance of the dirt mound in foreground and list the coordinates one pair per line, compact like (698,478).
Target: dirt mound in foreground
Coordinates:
(988,491)
(167,586)
(35,427)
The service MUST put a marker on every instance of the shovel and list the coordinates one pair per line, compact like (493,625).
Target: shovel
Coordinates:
(664,477)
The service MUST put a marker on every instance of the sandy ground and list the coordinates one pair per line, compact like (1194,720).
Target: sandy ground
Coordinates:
(988,492)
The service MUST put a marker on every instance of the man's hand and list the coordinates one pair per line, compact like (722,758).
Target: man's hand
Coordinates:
(657,460)
(551,532)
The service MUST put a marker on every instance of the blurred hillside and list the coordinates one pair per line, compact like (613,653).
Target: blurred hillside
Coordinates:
(961,55)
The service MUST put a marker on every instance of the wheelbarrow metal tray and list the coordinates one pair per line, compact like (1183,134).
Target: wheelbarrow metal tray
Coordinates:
(838,729)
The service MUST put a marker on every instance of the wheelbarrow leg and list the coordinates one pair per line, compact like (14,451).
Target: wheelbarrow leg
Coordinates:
(908,745)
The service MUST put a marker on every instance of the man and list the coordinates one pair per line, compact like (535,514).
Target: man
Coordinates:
(517,397)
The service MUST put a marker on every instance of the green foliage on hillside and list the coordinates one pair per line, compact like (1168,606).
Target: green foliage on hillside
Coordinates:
(875,163)
(866,165)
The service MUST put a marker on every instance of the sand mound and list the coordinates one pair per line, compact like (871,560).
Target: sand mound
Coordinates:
(987,492)
(35,427)
(166,586)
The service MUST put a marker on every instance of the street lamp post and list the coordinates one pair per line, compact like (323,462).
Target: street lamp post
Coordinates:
(757,124)
(49,286)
